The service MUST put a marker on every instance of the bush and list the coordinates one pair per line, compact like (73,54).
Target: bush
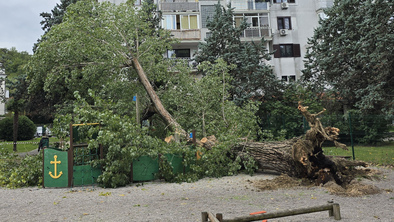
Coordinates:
(18,172)
(26,128)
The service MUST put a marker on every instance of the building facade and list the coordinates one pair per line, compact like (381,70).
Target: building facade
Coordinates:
(286,25)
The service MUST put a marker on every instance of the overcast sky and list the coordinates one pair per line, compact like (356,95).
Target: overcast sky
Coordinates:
(20,22)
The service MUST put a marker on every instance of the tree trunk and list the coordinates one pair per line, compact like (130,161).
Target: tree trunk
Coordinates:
(303,157)
(156,100)
(15,129)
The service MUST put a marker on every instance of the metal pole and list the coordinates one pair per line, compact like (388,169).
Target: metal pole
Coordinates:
(351,134)
(137,109)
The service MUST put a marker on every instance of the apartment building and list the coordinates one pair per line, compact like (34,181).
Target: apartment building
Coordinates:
(285,24)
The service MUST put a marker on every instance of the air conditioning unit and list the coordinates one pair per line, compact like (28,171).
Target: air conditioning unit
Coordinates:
(284,5)
(283,32)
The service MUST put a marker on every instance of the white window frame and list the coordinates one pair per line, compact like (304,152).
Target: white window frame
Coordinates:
(172,20)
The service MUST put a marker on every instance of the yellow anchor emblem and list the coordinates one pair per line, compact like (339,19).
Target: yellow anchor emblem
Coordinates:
(55,162)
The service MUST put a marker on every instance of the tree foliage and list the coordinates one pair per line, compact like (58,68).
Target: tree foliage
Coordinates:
(351,53)
(52,18)
(13,61)
(124,142)
(203,104)
(16,171)
(251,77)
(279,112)
(92,49)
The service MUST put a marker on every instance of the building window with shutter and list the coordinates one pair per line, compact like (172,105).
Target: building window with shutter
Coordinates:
(287,50)
(284,23)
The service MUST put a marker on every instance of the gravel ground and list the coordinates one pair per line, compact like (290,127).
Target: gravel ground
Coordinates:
(159,201)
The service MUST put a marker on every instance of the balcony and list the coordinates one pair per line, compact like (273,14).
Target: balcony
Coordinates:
(179,6)
(249,5)
(187,60)
(257,32)
(188,34)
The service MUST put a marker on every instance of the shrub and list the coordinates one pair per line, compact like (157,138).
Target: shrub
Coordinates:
(26,128)
(6,128)
(18,172)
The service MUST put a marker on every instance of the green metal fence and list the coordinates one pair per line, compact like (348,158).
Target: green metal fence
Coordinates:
(83,172)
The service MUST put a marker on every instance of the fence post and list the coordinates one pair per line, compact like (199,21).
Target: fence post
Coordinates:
(351,134)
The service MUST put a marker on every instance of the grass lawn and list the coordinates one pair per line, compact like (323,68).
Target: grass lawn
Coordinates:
(28,145)
(380,154)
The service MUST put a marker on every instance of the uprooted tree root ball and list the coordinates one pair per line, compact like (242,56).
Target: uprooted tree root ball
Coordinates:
(303,157)
(353,189)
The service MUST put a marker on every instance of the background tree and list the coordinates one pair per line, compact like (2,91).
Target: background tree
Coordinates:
(251,77)
(12,61)
(17,102)
(278,113)
(351,53)
(52,18)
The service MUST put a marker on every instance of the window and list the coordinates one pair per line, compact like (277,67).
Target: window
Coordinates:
(284,23)
(137,2)
(180,22)
(179,53)
(280,1)
(287,50)
(207,13)
(291,78)
(254,19)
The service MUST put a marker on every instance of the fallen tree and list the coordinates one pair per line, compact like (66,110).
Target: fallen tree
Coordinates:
(303,157)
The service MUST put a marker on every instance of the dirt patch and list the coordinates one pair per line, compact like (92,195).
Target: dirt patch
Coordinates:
(354,189)
(281,182)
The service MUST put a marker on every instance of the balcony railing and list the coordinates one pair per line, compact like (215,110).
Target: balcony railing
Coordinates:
(257,32)
(191,63)
(187,34)
(249,5)
(179,6)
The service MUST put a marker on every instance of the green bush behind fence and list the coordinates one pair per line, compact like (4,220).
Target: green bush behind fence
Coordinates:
(362,129)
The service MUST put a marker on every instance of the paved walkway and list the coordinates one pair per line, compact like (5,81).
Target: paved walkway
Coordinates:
(33,152)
